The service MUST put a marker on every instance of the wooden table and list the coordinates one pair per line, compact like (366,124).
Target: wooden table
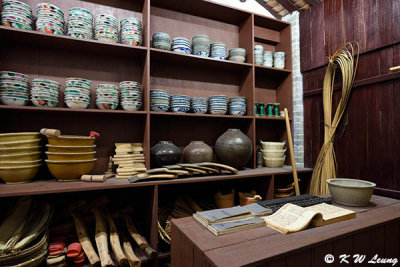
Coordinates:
(375,230)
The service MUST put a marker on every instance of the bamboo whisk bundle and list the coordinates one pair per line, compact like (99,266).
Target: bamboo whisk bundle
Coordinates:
(326,166)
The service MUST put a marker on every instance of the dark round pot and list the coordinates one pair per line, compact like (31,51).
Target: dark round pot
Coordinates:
(197,151)
(234,148)
(165,153)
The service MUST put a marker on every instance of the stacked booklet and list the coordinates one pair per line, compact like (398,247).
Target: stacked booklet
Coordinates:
(229,220)
(288,219)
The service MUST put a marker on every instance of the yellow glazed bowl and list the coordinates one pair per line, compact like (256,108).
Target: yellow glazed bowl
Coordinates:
(274,162)
(70,170)
(71,140)
(20,156)
(70,149)
(18,150)
(18,175)
(12,137)
(17,144)
(19,163)
(70,156)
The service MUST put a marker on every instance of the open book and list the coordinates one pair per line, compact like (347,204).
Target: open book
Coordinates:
(292,218)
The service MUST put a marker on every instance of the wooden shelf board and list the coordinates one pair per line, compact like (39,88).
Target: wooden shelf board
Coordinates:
(272,70)
(154,113)
(271,118)
(270,23)
(41,187)
(168,57)
(30,37)
(205,9)
(59,109)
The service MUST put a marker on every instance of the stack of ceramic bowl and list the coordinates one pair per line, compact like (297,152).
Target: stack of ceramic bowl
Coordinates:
(181,45)
(70,156)
(159,100)
(107,96)
(258,54)
(106,28)
(44,93)
(218,51)
(19,157)
(131,31)
(201,45)
(14,88)
(268,59)
(77,92)
(218,104)
(50,19)
(279,60)
(80,23)
(131,95)
(161,40)
(237,105)
(199,104)
(273,154)
(16,14)
(237,54)
(180,103)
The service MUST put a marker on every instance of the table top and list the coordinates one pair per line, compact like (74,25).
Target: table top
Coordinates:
(266,243)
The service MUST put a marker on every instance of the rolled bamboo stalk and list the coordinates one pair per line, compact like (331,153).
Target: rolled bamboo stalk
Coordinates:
(130,254)
(134,232)
(115,242)
(101,238)
(84,239)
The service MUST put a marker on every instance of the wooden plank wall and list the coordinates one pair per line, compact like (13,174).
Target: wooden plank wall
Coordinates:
(368,141)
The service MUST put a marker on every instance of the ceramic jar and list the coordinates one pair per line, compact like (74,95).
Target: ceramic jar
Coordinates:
(165,153)
(234,148)
(197,151)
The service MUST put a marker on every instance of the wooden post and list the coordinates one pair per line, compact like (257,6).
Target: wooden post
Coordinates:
(291,151)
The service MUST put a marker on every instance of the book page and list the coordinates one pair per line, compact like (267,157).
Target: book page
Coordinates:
(290,218)
(329,211)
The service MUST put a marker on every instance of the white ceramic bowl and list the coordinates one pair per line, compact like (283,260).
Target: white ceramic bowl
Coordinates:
(351,192)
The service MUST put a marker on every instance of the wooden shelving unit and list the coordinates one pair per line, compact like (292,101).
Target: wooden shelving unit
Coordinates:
(58,57)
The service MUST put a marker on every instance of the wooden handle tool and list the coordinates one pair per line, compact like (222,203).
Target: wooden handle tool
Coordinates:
(140,241)
(85,240)
(101,238)
(394,68)
(219,165)
(130,254)
(291,150)
(115,242)
(52,132)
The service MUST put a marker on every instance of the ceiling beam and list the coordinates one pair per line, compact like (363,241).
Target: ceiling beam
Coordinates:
(267,7)
(314,2)
(288,5)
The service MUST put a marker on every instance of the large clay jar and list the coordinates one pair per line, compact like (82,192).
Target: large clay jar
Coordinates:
(197,151)
(234,148)
(165,153)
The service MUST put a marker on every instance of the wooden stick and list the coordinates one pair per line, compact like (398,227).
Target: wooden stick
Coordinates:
(85,240)
(126,245)
(101,238)
(395,68)
(134,232)
(115,242)
(291,150)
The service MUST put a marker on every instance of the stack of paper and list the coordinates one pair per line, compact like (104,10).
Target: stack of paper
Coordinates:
(129,159)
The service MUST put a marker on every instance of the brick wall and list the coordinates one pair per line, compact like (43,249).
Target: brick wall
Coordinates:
(298,116)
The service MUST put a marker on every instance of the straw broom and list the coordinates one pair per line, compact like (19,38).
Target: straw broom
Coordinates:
(326,165)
